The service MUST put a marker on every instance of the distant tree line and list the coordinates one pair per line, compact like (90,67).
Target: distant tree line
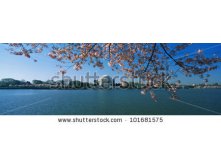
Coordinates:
(61,84)
(69,84)
(7,82)
(49,84)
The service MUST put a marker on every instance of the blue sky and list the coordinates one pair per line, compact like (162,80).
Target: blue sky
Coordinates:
(20,67)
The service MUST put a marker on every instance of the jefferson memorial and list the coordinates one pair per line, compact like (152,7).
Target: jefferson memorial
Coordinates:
(105,81)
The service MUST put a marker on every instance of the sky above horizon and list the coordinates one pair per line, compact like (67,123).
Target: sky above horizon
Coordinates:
(22,68)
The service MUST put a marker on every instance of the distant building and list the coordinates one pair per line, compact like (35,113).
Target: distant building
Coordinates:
(105,81)
(124,84)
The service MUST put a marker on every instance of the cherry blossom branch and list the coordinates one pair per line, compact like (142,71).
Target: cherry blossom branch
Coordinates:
(150,59)
(91,48)
(179,64)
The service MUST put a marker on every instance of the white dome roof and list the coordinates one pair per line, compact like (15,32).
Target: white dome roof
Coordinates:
(105,81)
(105,78)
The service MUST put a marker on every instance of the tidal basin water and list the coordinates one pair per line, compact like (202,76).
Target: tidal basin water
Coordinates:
(108,102)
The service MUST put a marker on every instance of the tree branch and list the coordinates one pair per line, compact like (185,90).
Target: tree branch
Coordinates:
(177,63)
(91,48)
(154,47)
(109,50)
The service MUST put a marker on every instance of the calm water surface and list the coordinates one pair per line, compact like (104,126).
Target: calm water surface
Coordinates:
(108,102)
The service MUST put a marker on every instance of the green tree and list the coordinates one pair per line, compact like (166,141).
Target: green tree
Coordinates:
(36,82)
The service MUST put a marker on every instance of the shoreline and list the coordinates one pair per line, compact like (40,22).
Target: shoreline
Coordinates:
(8,88)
